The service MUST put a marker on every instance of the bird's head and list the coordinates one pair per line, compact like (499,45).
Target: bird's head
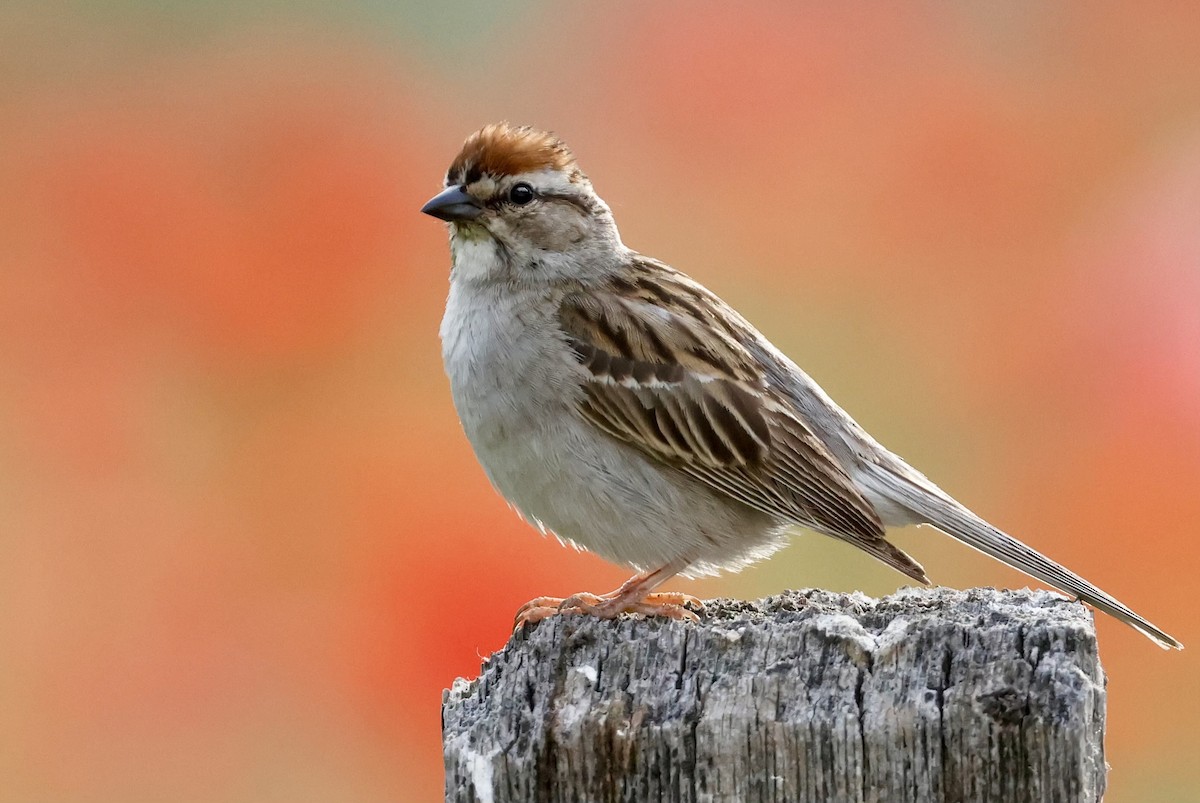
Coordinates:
(516,192)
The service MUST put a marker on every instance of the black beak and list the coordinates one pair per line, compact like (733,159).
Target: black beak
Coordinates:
(453,203)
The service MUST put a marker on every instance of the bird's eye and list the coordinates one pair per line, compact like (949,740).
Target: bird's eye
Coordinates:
(520,194)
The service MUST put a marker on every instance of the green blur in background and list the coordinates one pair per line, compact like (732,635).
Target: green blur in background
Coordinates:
(245,542)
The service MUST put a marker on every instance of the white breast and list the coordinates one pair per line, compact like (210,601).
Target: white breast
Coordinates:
(513,380)
(516,385)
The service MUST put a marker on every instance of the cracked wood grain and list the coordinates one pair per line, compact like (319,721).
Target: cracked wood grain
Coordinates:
(926,695)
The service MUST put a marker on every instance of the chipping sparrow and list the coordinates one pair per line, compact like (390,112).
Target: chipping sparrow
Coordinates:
(622,406)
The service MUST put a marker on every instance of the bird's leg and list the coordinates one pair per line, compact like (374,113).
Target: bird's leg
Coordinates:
(636,595)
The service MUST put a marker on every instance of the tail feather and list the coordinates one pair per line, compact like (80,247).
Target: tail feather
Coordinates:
(932,505)
(887,552)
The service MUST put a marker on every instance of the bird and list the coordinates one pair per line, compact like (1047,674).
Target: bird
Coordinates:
(619,404)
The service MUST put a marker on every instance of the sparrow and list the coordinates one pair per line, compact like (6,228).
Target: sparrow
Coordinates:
(620,405)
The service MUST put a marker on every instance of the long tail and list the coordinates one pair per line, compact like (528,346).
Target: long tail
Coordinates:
(934,506)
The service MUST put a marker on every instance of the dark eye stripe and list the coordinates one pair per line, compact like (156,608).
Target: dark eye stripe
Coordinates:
(580,203)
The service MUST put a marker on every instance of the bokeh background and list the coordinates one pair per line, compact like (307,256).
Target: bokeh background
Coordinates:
(244,543)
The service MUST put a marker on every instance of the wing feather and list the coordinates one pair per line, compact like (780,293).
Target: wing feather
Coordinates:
(667,371)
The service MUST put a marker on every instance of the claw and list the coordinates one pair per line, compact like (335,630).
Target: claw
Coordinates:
(532,615)
(676,598)
(669,604)
(636,596)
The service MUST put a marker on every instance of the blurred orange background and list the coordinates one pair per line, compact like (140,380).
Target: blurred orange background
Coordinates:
(245,542)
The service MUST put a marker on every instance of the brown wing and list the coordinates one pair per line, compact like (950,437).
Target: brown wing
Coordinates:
(667,373)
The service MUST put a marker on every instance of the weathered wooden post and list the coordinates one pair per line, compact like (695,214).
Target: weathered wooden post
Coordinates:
(926,695)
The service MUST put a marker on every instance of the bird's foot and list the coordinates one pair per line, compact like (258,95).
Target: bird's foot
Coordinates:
(671,604)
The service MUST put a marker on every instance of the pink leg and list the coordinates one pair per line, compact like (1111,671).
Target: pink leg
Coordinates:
(636,595)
